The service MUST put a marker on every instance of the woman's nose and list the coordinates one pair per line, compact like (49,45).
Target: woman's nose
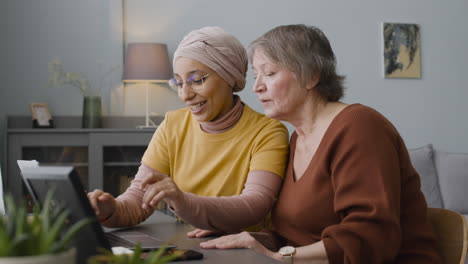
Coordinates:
(258,86)
(186,92)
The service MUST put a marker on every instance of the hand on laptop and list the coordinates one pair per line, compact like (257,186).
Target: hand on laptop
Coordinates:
(103,204)
(159,186)
(197,233)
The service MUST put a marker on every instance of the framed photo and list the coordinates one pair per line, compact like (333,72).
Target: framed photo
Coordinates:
(41,115)
(402,50)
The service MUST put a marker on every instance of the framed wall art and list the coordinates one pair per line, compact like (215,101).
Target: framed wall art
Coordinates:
(402,50)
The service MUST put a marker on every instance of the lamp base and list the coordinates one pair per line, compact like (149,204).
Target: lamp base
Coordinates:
(146,127)
(148,122)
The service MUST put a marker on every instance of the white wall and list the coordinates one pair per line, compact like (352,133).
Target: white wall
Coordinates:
(82,32)
(423,110)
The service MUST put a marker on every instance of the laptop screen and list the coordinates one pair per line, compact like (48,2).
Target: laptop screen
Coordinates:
(68,192)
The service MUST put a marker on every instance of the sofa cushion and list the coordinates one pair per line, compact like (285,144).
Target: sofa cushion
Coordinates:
(423,161)
(452,169)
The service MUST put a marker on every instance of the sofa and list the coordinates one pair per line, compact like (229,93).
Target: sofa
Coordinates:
(444,177)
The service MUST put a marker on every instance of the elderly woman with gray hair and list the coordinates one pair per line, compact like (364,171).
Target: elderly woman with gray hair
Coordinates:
(217,163)
(350,194)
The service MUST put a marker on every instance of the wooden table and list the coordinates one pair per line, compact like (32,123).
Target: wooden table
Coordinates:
(168,229)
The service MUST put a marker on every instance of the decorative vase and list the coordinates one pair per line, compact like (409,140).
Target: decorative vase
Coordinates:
(66,257)
(92,112)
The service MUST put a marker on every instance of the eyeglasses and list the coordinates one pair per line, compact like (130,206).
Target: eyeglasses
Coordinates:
(194,81)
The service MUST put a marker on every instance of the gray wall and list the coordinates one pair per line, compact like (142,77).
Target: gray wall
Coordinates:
(83,32)
(423,110)
(3,76)
(85,35)
(80,33)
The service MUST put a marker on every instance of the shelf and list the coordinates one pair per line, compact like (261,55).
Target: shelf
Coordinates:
(72,124)
(121,164)
(130,155)
(75,164)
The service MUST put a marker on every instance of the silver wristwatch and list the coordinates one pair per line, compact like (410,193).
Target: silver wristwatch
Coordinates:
(287,252)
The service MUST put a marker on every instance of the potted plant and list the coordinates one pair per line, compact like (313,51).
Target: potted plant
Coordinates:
(41,237)
(155,257)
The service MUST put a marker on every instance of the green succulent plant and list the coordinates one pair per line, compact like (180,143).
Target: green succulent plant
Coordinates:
(42,233)
(155,257)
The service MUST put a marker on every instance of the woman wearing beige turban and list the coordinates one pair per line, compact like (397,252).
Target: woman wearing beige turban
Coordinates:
(217,163)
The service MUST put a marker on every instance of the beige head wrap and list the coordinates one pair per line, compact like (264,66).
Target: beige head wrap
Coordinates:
(219,50)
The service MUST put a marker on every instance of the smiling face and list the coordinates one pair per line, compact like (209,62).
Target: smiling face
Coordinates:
(208,97)
(277,88)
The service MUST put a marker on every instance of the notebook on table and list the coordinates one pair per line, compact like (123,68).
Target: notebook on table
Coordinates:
(69,192)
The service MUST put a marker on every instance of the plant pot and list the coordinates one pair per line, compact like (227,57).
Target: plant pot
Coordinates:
(92,112)
(67,257)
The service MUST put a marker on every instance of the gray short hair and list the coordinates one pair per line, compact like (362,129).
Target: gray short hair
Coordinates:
(306,51)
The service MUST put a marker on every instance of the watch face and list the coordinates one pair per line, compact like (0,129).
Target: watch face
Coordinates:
(287,251)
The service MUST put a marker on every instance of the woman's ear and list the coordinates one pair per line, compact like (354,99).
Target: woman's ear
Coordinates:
(313,82)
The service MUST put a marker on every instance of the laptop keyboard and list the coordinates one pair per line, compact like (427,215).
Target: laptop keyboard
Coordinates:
(116,241)
(130,239)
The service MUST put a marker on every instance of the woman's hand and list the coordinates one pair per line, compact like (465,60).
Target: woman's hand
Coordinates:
(159,186)
(103,204)
(197,233)
(241,240)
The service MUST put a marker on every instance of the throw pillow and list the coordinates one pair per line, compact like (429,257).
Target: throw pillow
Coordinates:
(423,161)
(452,169)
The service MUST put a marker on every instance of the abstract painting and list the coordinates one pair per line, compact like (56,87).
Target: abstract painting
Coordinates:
(402,50)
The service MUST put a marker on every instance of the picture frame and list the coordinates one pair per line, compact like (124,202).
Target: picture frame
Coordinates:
(402,50)
(41,115)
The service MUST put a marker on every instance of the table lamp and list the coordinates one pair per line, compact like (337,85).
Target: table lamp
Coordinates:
(146,63)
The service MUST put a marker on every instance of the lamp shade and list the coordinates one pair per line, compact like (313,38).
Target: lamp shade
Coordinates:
(146,62)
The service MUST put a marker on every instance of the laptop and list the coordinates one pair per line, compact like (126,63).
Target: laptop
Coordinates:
(2,203)
(69,192)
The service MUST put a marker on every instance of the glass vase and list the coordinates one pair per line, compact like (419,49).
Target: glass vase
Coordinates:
(92,112)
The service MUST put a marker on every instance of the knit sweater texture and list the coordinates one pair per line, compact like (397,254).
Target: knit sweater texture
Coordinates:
(360,195)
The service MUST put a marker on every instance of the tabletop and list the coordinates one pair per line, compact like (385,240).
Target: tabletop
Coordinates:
(168,229)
